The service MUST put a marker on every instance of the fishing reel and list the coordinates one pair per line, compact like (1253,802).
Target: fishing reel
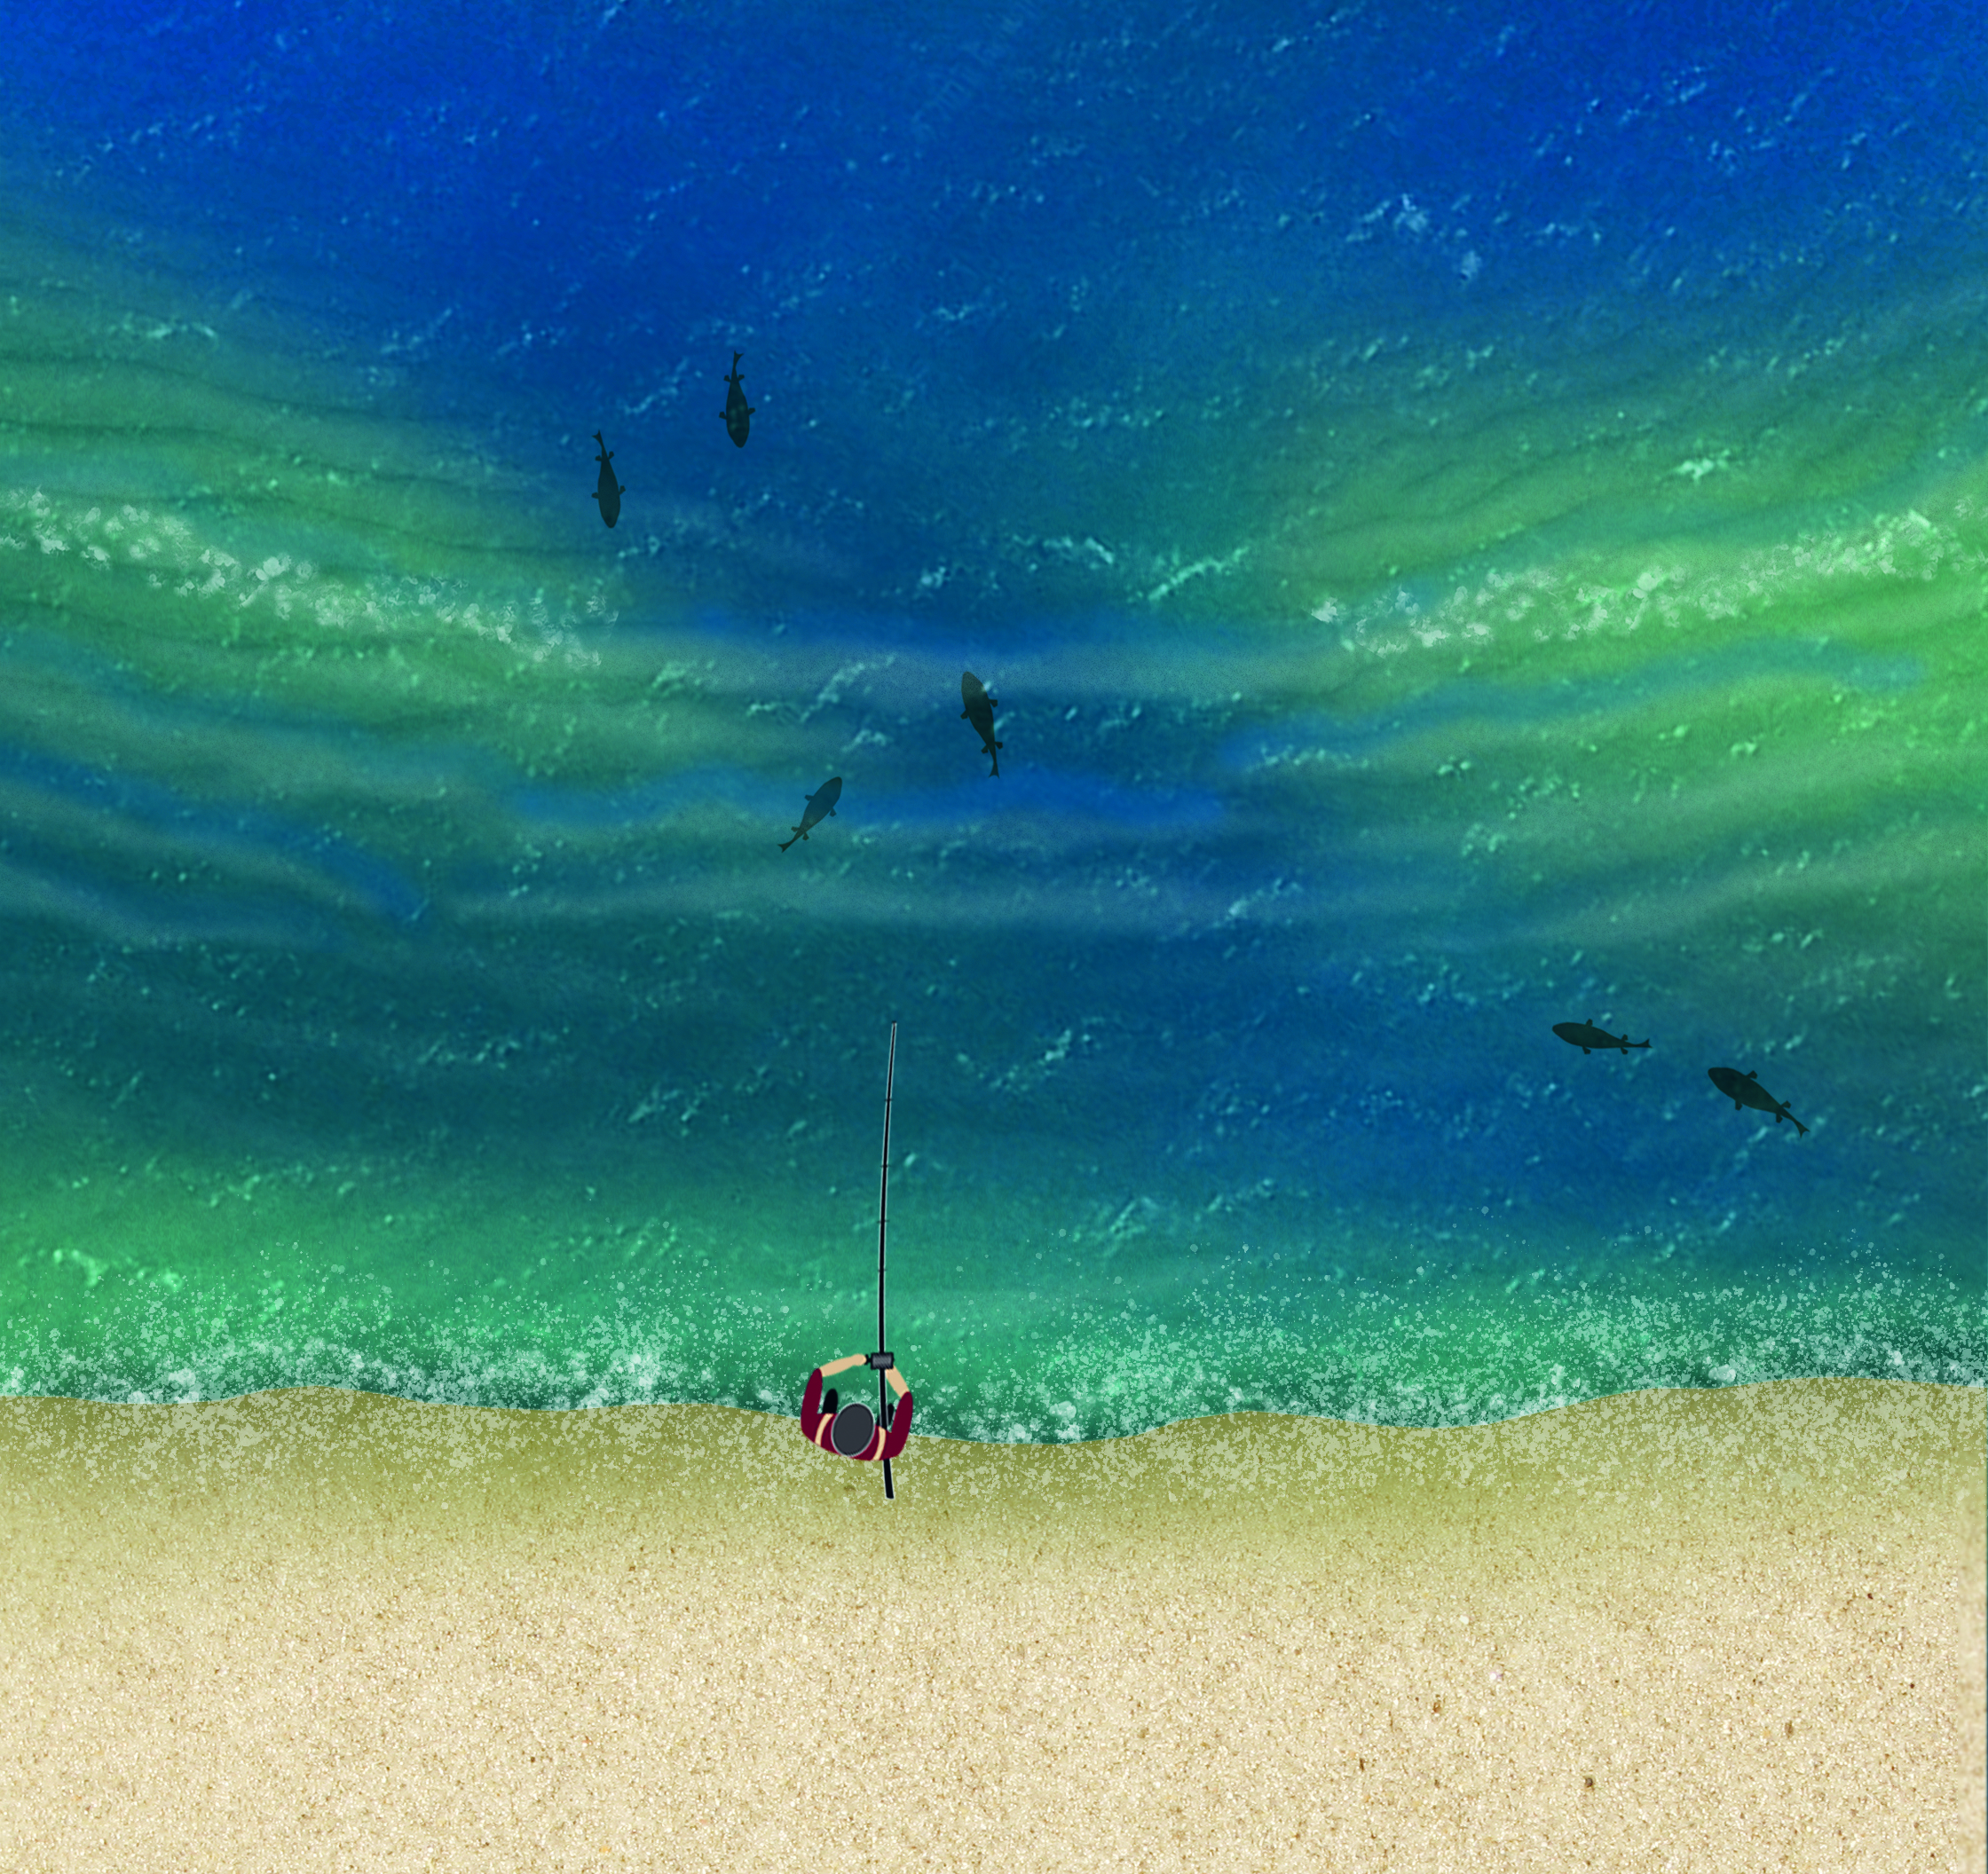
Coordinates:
(883,1362)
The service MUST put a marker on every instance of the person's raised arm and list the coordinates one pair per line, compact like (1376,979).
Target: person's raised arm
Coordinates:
(843,1365)
(896,1381)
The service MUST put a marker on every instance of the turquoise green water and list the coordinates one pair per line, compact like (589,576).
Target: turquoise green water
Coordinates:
(405,988)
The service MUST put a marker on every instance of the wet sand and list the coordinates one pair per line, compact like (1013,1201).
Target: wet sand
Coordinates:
(313,1629)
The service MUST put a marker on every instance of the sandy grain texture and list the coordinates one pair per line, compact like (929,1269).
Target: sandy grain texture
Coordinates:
(308,1630)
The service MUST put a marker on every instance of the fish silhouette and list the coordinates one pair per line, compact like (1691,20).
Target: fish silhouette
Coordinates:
(1744,1091)
(737,414)
(979,712)
(820,802)
(1586,1037)
(609,493)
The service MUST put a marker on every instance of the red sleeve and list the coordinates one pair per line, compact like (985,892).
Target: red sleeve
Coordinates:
(900,1427)
(811,1407)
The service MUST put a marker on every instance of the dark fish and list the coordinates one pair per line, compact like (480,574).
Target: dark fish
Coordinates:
(609,493)
(737,416)
(1744,1091)
(820,802)
(979,712)
(1586,1037)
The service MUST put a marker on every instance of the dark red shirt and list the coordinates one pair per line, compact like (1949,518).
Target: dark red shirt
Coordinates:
(815,1425)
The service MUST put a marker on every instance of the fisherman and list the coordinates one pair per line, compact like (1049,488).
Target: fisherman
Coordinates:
(1745,1089)
(1586,1037)
(737,413)
(851,1430)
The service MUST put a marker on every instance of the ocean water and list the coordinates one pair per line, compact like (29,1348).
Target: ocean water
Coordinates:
(1472,523)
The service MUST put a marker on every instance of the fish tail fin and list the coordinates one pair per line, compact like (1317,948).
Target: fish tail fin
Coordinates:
(1799,1127)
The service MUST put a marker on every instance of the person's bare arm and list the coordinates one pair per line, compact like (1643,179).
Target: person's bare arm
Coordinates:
(843,1365)
(896,1381)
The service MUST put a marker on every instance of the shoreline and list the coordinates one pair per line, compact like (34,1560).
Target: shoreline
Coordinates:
(308,1627)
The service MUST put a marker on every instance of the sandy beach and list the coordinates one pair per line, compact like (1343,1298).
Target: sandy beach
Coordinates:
(313,1629)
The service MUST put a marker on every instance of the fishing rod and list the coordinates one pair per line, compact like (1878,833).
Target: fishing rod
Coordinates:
(883,1362)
